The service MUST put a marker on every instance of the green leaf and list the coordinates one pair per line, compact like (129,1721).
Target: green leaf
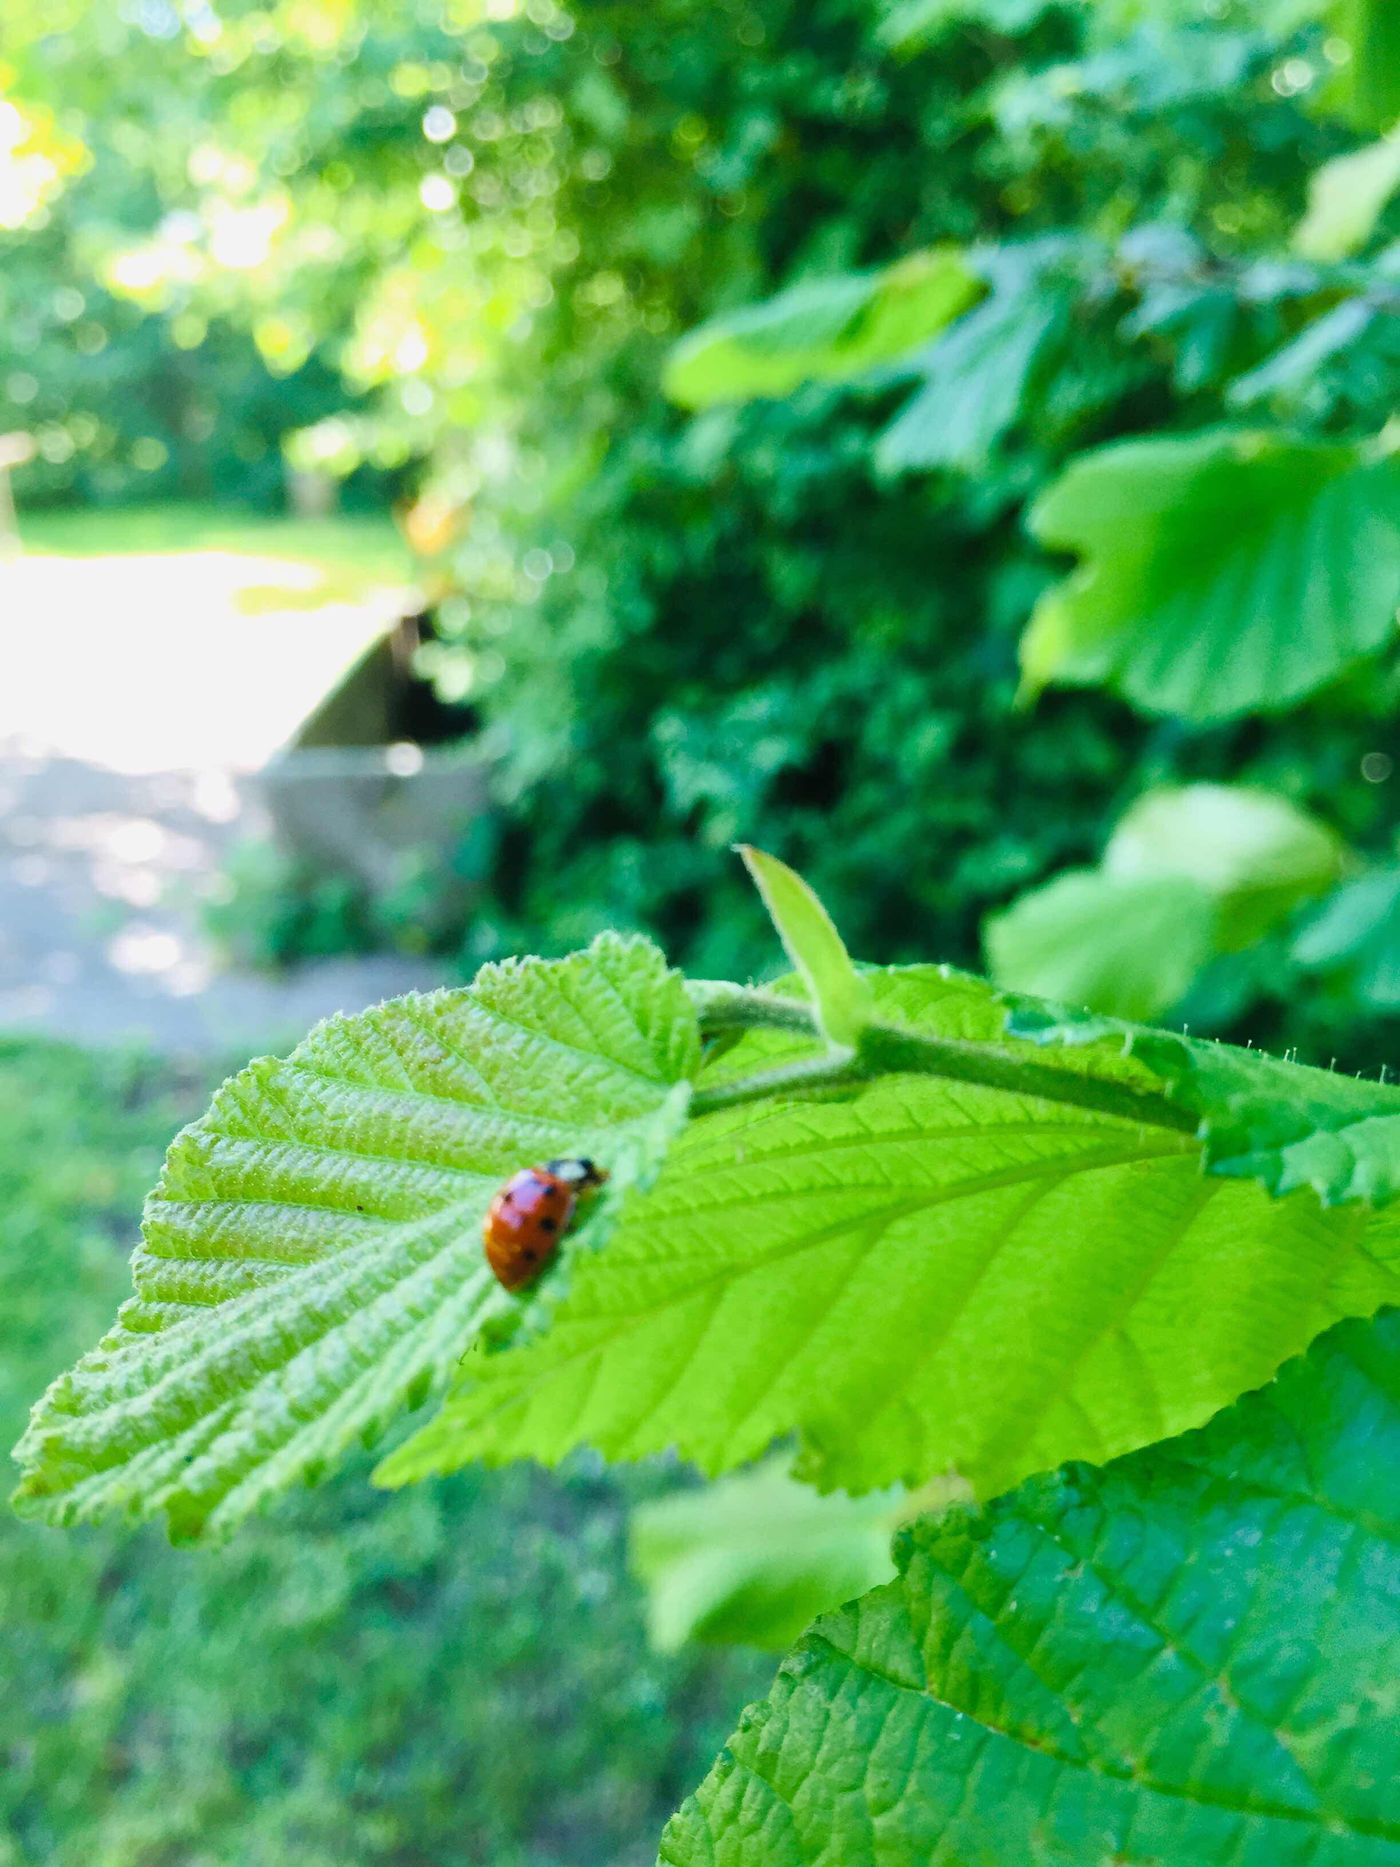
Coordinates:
(1366,87)
(1223,573)
(1190,871)
(1283,1124)
(1357,932)
(1128,946)
(1346,197)
(911,24)
(312,1257)
(1291,373)
(840,996)
(1189,1659)
(975,383)
(824,330)
(927,1276)
(1258,855)
(755,1558)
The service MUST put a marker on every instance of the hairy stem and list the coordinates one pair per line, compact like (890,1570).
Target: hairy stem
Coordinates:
(886,1051)
(732,1008)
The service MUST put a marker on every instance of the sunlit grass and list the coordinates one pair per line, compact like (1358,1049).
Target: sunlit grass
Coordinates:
(353,553)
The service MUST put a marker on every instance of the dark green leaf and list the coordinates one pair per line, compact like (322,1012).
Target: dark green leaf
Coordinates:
(1357,931)
(1366,84)
(975,382)
(1188,1659)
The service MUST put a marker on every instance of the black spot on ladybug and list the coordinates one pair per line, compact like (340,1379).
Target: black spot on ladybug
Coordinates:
(549,1225)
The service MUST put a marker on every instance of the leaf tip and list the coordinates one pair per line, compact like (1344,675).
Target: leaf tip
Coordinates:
(841,997)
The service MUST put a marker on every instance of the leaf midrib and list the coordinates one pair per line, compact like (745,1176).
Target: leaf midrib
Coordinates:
(913,1201)
(623,1322)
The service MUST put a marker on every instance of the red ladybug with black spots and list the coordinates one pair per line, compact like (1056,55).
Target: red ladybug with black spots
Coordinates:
(531,1213)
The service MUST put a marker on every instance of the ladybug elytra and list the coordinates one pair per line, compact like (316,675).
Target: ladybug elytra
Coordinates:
(531,1213)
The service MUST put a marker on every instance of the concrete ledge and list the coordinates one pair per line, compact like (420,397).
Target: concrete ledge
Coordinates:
(362,811)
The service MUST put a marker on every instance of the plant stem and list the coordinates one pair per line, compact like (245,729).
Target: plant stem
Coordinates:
(886,1051)
(735,1009)
(787,1079)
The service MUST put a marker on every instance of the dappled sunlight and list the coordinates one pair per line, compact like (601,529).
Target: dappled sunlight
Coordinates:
(139,689)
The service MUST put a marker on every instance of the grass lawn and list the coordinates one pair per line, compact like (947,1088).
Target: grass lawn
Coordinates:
(355,553)
(450,1676)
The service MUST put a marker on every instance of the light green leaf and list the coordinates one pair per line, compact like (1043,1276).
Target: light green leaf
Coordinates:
(757,1557)
(1128,946)
(926,1277)
(1224,572)
(1189,1659)
(840,996)
(312,1257)
(1346,197)
(1190,871)
(1357,931)
(1257,854)
(1366,84)
(1283,1124)
(824,330)
(911,24)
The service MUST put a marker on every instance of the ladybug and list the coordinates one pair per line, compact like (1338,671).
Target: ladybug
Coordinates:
(531,1213)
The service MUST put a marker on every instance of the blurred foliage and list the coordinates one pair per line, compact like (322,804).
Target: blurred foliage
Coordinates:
(454,1673)
(794,619)
(756,1556)
(1190,874)
(125,403)
(1232,572)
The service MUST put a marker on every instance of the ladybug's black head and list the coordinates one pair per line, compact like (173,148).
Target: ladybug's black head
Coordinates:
(578,1173)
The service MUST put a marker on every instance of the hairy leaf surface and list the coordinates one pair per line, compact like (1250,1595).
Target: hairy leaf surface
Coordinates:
(926,1276)
(1222,573)
(1192,1656)
(312,1257)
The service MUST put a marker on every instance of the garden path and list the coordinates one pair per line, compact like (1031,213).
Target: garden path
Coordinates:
(138,696)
